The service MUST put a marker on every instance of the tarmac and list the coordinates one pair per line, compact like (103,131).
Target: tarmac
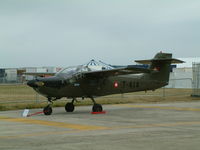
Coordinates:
(166,126)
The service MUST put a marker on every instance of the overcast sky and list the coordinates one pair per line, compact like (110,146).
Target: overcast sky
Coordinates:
(71,32)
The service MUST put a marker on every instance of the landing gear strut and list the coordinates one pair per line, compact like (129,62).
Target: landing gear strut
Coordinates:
(69,107)
(48,109)
(96,107)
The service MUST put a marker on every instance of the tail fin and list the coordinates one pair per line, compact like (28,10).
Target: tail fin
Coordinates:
(161,63)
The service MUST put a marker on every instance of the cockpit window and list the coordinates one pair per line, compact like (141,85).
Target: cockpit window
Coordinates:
(70,71)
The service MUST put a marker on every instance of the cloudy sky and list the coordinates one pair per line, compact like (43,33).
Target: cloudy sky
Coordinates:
(71,32)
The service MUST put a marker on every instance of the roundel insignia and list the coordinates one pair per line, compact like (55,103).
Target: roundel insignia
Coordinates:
(156,69)
(116,85)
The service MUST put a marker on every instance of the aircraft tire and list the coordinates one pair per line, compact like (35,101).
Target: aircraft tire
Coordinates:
(69,107)
(97,108)
(47,110)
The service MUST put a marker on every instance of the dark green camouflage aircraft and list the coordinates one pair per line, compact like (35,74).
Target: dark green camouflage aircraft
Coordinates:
(83,82)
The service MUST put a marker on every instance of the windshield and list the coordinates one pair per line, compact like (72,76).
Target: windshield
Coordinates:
(70,71)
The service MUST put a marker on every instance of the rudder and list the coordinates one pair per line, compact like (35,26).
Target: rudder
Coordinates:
(161,64)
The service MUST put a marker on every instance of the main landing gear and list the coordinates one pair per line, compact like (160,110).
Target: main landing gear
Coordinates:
(69,107)
(96,107)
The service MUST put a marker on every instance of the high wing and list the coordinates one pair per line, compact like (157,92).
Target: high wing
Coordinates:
(39,74)
(114,72)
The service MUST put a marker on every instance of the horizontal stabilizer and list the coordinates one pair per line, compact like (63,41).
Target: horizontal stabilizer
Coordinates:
(149,61)
(161,57)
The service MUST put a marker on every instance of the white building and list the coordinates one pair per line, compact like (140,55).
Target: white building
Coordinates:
(182,76)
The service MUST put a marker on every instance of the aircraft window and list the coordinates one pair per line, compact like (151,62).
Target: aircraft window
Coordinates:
(70,71)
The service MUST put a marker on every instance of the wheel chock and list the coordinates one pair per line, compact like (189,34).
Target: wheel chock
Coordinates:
(102,112)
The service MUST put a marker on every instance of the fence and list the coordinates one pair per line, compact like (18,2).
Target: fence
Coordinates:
(196,80)
(15,80)
(21,94)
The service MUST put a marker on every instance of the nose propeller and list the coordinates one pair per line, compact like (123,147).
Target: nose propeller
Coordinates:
(35,83)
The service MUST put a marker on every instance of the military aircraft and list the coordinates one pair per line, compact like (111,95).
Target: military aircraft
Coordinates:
(84,82)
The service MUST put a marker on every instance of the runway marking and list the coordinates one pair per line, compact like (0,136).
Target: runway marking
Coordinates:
(161,107)
(159,125)
(108,128)
(39,134)
(53,123)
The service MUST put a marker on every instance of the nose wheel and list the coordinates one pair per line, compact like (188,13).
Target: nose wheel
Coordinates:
(47,110)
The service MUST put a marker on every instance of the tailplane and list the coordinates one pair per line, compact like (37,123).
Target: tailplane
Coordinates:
(161,64)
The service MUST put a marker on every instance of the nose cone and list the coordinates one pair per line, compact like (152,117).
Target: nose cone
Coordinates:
(32,83)
(35,83)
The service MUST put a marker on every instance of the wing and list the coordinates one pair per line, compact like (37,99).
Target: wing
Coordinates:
(115,72)
(39,74)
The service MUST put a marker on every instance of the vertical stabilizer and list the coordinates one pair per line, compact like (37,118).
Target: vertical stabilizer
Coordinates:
(161,64)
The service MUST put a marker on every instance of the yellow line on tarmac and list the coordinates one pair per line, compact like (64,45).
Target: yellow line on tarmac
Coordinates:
(109,128)
(38,134)
(159,125)
(161,107)
(53,123)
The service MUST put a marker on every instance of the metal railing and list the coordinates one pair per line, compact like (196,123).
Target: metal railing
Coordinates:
(196,80)
(21,93)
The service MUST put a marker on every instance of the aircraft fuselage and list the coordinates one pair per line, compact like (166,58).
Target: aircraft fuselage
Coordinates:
(58,88)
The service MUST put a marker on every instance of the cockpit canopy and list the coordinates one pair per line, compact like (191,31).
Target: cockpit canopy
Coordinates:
(71,71)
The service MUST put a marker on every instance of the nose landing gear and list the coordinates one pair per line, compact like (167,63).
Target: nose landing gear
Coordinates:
(47,110)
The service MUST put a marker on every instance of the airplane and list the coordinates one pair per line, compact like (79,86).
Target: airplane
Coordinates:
(84,82)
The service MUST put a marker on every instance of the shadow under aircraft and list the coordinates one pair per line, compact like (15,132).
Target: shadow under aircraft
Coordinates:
(85,82)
